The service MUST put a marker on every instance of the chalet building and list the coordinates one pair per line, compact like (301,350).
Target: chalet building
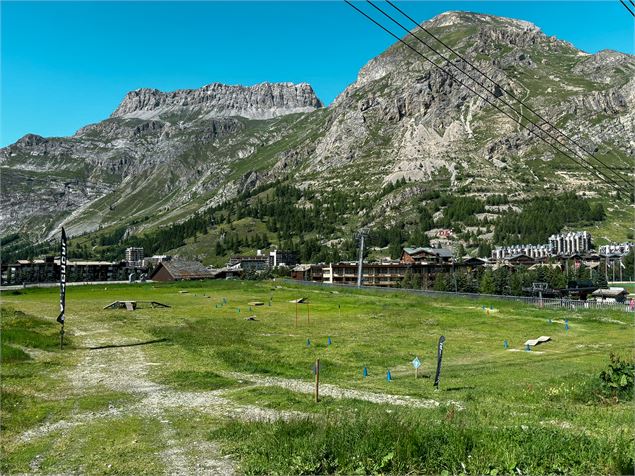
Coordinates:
(178,270)
(520,259)
(610,295)
(472,263)
(301,272)
(424,255)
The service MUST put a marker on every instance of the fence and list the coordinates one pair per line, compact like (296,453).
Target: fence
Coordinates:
(529,300)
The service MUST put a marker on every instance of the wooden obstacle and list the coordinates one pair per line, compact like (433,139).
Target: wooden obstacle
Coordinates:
(133,305)
(539,340)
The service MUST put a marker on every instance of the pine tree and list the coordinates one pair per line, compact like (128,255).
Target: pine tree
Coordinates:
(487,283)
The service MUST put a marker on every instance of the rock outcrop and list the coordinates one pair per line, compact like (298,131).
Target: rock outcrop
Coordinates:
(262,101)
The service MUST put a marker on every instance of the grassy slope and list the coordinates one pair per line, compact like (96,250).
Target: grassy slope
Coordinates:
(549,392)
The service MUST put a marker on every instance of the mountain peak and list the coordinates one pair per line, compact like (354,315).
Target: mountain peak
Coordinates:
(261,101)
(457,17)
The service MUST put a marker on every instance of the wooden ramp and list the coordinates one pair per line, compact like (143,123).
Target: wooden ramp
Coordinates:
(539,340)
(133,305)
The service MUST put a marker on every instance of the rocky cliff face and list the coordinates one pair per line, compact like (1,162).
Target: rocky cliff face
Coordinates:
(262,101)
(162,156)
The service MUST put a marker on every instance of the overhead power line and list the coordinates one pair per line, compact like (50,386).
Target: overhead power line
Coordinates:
(509,93)
(590,168)
(498,96)
(626,6)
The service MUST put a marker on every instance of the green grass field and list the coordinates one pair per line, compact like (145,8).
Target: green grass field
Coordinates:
(197,388)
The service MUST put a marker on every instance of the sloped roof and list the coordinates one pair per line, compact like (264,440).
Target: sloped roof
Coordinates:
(442,252)
(519,255)
(611,292)
(184,269)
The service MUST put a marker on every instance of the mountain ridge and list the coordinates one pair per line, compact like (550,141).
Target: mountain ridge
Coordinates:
(261,101)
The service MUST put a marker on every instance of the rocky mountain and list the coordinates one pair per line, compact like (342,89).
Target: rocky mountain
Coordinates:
(161,156)
(263,101)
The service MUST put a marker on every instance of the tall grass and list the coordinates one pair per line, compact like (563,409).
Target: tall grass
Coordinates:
(379,442)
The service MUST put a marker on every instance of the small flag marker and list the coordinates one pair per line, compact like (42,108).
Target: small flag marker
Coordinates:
(388,376)
(308,342)
(506,344)
(328,342)
(566,324)
(365,372)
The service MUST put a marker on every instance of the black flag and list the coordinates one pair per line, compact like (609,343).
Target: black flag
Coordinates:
(439,357)
(60,318)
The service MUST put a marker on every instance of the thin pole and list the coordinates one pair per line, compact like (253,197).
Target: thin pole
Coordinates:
(361,258)
(317,380)
(62,337)
(296,313)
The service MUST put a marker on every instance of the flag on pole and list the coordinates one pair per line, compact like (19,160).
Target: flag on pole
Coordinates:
(63,253)
(439,357)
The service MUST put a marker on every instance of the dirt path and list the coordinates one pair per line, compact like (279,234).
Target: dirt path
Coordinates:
(126,369)
(335,391)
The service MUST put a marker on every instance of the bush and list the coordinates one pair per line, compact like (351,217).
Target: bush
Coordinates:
(617,379)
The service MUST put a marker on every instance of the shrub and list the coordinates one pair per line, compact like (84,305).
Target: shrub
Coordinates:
(617,379)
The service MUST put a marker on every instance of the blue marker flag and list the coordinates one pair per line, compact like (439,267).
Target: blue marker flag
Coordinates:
(506,344)
(388,376)
(365,373)
(308,342)
(329,341)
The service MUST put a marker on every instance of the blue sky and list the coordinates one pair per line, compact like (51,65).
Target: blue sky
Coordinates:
(68,64)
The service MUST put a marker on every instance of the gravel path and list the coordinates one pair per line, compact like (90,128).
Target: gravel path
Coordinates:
(335,391)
